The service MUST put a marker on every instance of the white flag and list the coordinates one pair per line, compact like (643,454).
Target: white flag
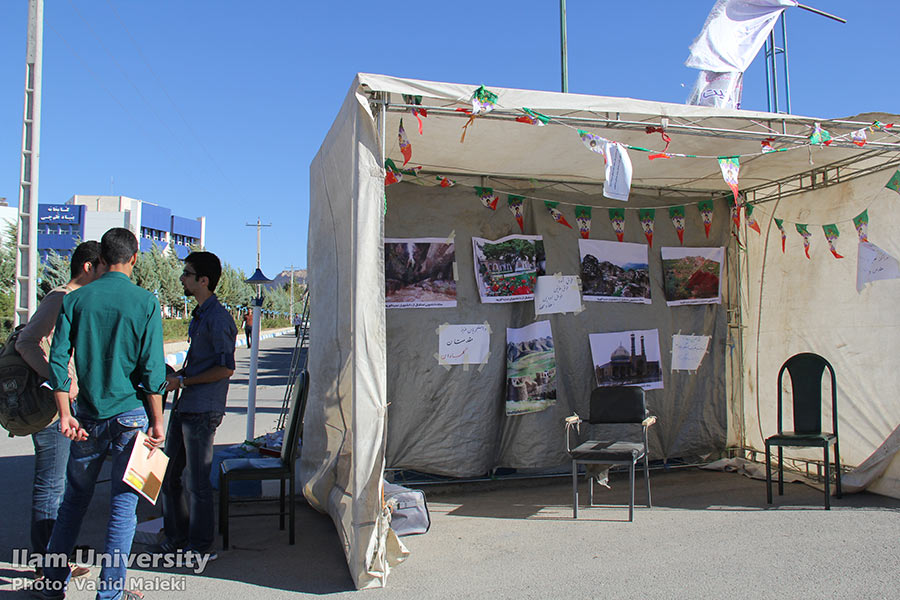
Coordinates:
(618,171)
(873,264)
(734,32)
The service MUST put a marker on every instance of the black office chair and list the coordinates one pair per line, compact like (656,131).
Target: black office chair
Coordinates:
(619,405)
(806,370)
(268,467)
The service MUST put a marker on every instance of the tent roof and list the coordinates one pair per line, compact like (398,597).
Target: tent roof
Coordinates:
(496,148)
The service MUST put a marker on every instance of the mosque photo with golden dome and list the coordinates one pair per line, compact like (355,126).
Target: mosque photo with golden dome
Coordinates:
(627,358)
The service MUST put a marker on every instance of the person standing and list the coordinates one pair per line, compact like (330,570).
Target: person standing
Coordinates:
(248,325)
(51,447)
(115,330)
(298,320)
(188,507)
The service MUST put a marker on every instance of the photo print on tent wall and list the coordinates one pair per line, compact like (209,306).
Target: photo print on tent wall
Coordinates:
(692,275)
(530,369)
(627,358)
(614,271)
(506,269)
(419,272)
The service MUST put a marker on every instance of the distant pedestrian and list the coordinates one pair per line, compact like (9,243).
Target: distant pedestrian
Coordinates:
(298,320)
(248,325)
(115,330)
(188,507)
(51,447)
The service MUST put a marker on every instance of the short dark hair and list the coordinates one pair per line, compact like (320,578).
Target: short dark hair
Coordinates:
(85,252)
(207,265)
(117,246)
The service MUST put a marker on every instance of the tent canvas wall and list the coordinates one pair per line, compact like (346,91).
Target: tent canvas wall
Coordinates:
(452,421)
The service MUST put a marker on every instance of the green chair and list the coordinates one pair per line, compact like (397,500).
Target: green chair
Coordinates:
(806,371)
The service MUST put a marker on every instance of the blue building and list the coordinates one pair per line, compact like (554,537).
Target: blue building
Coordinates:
(62,226)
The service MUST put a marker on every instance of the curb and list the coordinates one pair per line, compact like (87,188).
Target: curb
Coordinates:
(176,359)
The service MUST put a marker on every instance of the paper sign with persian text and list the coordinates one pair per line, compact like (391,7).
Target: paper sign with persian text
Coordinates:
(464,344)
(557,294)
(874,264)
(688,351)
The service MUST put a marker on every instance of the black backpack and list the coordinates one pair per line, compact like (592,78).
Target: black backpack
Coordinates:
(25,406)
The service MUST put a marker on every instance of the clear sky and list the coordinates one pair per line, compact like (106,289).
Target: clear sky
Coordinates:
(217,107)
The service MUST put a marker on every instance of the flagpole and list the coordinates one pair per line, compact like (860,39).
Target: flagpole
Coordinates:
(564,46)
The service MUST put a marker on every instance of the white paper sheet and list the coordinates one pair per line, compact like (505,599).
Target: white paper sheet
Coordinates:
(557,294)
(618,172)
(464,344)
(874,264)
(688,351)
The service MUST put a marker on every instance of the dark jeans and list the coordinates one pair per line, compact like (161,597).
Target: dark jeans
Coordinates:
(248,331)
(51,453)
(188,507)
(112,437)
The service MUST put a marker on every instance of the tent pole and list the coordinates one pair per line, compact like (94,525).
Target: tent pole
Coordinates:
(563,46)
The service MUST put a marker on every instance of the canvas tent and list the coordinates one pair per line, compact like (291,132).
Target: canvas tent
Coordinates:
(379,399)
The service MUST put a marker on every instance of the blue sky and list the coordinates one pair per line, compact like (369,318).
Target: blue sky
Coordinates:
(217,107)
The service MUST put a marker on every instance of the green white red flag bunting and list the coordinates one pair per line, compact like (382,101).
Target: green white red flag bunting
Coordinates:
(533,117)
(487,196)
(391,173)
(405,146)
(445,182)
(593,142)
(731,166)
(779,223)
(706,213)
(751,222)
(803,231)
(556,214)
(647,216)
(676,213)
(617,219)
(894,182)
(483,102)
(861,222)
(583,218)
(515,206)
(820,136)
(418,113)
(831,235)
(736,216)
(859,137)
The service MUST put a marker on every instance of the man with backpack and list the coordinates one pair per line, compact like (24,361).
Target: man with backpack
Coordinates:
(115,330)
(51,447)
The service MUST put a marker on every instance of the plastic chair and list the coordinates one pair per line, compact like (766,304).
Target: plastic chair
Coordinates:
(267,468)
(806,370)
(619,405)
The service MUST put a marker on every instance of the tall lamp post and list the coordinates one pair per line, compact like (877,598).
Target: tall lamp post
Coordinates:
(258,279)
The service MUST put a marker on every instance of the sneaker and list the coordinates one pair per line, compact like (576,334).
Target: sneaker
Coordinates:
(164,547)
(209,555)
(79,571)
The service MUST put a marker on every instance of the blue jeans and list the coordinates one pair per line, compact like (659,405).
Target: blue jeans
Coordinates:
(188,506)
(115,437)
(51,453)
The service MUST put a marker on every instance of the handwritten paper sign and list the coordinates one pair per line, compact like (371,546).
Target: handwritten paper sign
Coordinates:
(464,344)
(557,294)
(618,172)
(688,351)
(873,264)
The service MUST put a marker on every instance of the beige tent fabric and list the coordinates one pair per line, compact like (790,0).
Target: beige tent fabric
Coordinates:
(343,446)
(794,304)
(805,305)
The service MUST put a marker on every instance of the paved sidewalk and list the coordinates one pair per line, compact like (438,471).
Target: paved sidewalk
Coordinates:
(709,535)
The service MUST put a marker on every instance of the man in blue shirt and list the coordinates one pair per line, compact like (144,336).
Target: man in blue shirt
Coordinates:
(188,509)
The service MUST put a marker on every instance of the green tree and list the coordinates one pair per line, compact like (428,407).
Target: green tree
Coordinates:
(7,280)
(56,272)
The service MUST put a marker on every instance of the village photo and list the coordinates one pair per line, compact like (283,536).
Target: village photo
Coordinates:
(530,369)
(506,269)
(418,273)
(614,271)
(692,275)
(627,358)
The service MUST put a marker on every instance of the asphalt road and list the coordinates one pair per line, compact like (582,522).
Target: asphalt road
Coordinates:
(709,535)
